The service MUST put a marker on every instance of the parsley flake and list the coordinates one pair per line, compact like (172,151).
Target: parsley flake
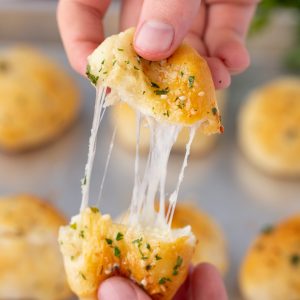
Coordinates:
(178,264)
(82,275)
(162,91)
(163,280)
(81,234)
(117,252)
(214,111)
(191,81)
(295,259)
(73,226)
(155,85)
(109,241)
(119,236)
(120,49)
(94,210)
(157,257)
(91,77)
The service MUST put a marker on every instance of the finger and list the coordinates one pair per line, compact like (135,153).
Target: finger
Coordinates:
(80,24)
(162,26)
(206,283)
(227,25)
(130,13)
(183,292)
(119,288)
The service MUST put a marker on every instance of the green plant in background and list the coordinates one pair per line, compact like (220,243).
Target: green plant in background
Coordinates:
(262,17)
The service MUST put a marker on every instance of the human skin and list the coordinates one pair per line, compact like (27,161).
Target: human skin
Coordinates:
(203,283)
(216,28)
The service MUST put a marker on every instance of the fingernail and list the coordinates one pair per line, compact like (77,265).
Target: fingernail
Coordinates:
(155,36)
(116,289)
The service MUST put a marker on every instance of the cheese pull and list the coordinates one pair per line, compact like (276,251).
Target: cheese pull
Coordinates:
(94,249)
(178,90)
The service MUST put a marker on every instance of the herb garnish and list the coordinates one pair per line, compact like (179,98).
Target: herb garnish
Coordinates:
(144,92)
(114,62)
(73,226)
(162,91)
(82,275)
(117,252)
(120,49)
(148,267)
(91,77)
(157,257)
(267,229)
(119,236)
(148,246)
(127,62)
(178,264)
(94,209)
(295,259)
(214,111)
(109,241)
(83,180)
(81,234)
(181,73)
(163,280)
(191,81)
(136,68)
(155,85)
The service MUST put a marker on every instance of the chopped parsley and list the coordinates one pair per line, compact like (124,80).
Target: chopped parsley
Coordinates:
(155,85)
(138,58)
(119,236)
(94,209)
(191,81)
(144,92)
(138,241)
(178,264)
(295,260)
(162,91)
(117,252)
(136,68)
(82,275)
(214,111)
(83,180)
(120,49)
(148,246)
(267,229)
(105,72)
(91,77)
(109,241)
(127,62)
(163,280)
(148,267)
(81,234)
(102,61)
(157,257)
(72,257)
(181,73)
(73,226)
(114,62)
(167,113)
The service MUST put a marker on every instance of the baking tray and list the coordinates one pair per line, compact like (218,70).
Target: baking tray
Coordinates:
(223,183)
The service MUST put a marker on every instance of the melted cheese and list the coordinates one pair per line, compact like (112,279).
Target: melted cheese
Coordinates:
(146,187)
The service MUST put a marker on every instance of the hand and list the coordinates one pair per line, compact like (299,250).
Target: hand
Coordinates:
(203,283)
(216,28)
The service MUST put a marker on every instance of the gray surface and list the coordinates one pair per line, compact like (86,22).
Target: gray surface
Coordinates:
(241,198)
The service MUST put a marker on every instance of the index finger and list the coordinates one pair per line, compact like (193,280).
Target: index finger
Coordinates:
(81,28)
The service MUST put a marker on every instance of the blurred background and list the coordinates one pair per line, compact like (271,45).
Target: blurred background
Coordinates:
(223,182)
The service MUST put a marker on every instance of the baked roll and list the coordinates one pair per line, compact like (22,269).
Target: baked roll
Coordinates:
(38,100)
(31,266)
(271,268)
(269,127)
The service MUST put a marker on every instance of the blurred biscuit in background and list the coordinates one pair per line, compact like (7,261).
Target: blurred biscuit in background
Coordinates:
(124,118)
(269,127)
(38,100)
(271,268)
(31,265)
(211,246)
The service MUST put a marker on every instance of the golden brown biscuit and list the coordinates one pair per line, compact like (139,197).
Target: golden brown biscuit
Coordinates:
(124,118)
(38,100)
(271,268)
(177,90)
(211,246)
(269,127)
(95,248)
(31,266)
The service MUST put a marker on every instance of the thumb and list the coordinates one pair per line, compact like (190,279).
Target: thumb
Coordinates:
(119,288)
(162,26)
